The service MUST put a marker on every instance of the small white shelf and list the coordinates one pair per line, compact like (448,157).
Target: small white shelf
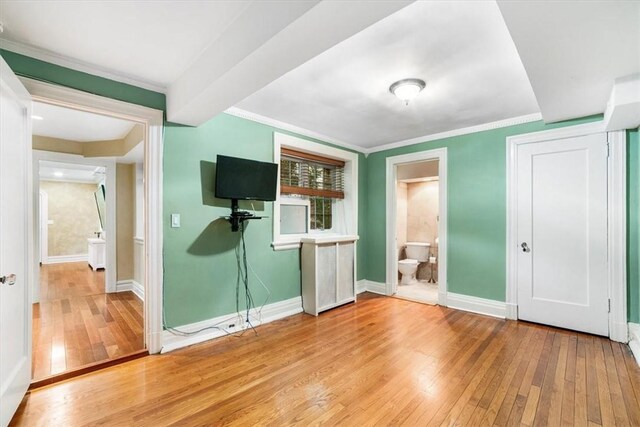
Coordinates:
(97,253)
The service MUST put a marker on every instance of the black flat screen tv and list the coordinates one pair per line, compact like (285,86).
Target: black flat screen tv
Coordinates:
(242,179)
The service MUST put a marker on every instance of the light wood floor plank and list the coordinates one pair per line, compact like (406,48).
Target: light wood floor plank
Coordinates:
(77,324)
(381,361)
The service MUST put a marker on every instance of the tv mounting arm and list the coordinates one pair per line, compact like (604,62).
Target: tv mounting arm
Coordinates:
(238,216)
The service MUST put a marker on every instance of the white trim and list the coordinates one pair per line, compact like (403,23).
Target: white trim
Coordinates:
(74,64)
(361,286)
(513,121)
(616,206)
(349,203)
(61,259)
(391,262)
(270,313)
(131,285)
(248,115)
(153,122)
(477,305)
(43,227)
(634,340)
(457,132)
(371,286)
(617,231)
(110,226)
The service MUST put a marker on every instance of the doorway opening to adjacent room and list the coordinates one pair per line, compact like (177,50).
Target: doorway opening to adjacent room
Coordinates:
(132,161)
(88,304)
(416,226)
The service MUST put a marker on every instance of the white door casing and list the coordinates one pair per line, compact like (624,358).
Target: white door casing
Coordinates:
(562,230)
(152,120)
(591,163)
(392,164)
(15,256)
(43,210)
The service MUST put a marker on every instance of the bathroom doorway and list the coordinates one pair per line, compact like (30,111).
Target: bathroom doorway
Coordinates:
(416,226)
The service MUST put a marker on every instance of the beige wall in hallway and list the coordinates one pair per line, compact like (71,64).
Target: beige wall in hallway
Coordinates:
(125,219)
(72,208)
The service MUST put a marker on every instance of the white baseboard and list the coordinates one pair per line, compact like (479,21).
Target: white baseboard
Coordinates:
(61,259)
(634,340)
(271,312)
(511,311)
(130,285)
(484,306)
(371,286)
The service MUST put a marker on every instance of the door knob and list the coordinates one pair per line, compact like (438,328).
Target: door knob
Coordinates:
(525,247)
(9,280)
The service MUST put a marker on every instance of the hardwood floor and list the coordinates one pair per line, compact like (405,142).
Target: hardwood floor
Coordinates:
(77,324)
(381,361)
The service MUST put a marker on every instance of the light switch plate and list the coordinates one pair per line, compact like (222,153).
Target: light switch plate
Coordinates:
(175,220)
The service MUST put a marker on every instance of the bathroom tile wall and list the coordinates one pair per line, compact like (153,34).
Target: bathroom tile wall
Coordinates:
(401,216)
(422,219)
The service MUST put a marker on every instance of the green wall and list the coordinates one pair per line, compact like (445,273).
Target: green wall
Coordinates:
(44,71)
(200,262)
(476,208)
(199,259)
(633,224)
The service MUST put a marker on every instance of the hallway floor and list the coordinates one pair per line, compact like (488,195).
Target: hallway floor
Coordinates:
(76,323)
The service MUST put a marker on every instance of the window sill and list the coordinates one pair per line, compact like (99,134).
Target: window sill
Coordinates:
(286,245)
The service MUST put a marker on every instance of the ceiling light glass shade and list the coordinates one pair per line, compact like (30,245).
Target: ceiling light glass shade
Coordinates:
(34,117)
(407,89)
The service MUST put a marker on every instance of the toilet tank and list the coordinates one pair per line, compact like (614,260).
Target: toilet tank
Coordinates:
(418,251)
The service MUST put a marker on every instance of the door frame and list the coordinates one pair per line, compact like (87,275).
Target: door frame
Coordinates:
(392,164)
(616,208)
(43,222)
(153,121)
(110,173)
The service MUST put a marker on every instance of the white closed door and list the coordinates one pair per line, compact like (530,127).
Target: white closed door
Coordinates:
(562,233)
(15,306)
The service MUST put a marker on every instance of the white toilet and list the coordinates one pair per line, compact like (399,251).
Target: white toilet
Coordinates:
(416,252)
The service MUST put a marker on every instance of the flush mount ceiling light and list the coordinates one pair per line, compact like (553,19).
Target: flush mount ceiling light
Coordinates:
(34,117)
(407,89)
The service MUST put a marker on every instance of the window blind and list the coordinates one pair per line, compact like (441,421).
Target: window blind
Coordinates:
(308,174)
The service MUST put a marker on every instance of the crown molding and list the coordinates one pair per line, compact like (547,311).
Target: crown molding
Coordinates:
(234,111)
(457,132)
(74,64)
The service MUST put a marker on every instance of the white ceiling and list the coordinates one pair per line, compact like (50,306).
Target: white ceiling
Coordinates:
(155,41)
(70,172)
(574,50)
(461,49)
(74,125)
(325,66)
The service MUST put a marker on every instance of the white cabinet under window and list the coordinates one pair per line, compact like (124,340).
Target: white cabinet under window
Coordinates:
(328,272)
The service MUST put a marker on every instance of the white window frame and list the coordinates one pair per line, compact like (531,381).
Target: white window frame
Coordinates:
(342,225)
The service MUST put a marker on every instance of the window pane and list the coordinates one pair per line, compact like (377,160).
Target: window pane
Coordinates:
(321,211)
(293,219)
